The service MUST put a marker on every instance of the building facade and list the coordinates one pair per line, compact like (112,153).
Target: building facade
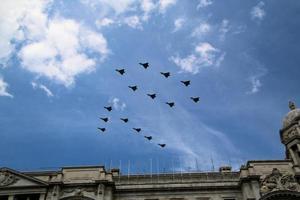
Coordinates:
(257,180)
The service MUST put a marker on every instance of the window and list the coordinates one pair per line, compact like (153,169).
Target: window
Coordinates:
(203,198)
(3,197)
(27,197)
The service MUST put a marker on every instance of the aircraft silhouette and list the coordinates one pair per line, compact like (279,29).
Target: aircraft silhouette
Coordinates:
(166,74)
(134,87)
(102,129)
(148,137)
(162,145)
(137,129)
(186,83)
(124,119)
(152,96)
(105,119)
(171,104)
(145,65)
(195,99)
(108,108)
(121,71)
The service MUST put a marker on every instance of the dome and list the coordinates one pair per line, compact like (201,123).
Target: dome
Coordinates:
(293,115)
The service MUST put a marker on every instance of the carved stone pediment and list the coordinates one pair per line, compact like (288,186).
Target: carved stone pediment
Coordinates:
(278,181)
(7,178)
(11,178)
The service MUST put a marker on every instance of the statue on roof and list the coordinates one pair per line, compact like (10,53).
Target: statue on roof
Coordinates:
(292,105)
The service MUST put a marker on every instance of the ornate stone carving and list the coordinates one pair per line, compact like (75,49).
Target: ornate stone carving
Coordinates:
(78,191)
(7,178)
(290,133)
(277,181)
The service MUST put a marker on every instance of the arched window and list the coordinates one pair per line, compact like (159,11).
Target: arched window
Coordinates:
(282,195)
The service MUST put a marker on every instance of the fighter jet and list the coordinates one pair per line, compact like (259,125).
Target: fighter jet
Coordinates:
(148,137)
(137,129)
(108,108)
(195,99)
(134,87)
(105,119)
(171,104)
(152,96)
(124,119)
(186,83)
(162,145)
(121,71)
(145,65)
(166,74)
(102,129)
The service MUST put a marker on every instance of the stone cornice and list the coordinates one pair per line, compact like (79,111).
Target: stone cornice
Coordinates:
(176,187)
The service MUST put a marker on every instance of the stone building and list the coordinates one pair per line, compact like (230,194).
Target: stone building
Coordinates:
(258,179)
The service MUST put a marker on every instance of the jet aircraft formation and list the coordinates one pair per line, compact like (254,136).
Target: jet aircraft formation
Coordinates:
(135,88)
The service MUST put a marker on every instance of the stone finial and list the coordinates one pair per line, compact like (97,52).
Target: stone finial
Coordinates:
(292,105)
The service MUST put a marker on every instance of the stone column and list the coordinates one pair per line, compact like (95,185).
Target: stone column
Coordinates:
(256,189)
(108,193)
(55,193)
(11,197)
(100,192)
(42,197)
(246,191)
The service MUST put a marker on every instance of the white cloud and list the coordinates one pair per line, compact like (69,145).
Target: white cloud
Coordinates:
(256,84)
(202,29)
(178,23)
(164,4)
(13,14)
(116,10)
(204,3)
(133,22)
(204,55)
(104,22)
(58,56)
(117,104)
(257,12)
(220,59)
(3,89)
(224,28)
(206,52)
(256,71)
(93,41)
(43,88)
(147,7)
(255,80)
(54,47)
(117,6)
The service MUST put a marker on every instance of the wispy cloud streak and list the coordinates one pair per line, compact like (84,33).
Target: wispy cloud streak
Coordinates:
(3,89)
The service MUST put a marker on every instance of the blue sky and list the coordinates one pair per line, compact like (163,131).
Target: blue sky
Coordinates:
(57,71)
